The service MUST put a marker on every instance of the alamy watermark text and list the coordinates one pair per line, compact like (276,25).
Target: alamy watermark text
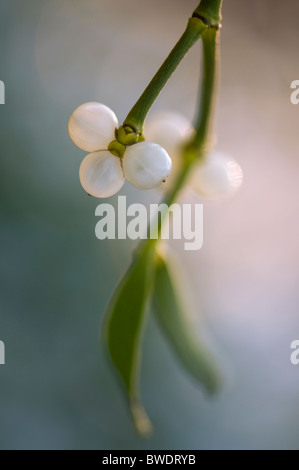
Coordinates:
(2,353)
(2,92)
(295,354)
(295,93)
(132,221)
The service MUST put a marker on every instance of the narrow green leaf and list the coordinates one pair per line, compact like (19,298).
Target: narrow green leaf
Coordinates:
(123,328)
(180,333)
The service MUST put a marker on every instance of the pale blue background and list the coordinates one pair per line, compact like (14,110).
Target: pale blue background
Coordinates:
(56,390)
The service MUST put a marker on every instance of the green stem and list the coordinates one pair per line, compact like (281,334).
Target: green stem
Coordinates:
(205,118)
(210,10)
(201,143)
(138,113)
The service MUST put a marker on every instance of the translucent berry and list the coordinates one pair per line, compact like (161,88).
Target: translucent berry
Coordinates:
(101,174)
(92,126)
(169,130)
(146,165)
(217,177)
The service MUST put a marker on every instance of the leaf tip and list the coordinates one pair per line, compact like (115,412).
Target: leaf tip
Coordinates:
(142,422)
(214,383)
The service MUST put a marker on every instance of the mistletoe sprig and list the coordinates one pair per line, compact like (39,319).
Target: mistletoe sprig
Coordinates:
(119,153)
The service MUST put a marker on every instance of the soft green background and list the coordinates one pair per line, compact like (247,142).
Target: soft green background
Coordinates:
(56,390)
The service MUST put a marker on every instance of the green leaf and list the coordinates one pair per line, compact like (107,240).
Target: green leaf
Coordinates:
(180,333)
(123,328)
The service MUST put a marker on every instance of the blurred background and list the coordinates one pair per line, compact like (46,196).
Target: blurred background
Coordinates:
(56,389)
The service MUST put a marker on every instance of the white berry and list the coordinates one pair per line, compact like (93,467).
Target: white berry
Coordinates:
(92,126)
(146,164)
(101,174)
(217,177)
(169,130)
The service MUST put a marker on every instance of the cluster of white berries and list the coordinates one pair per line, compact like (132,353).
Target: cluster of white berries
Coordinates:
(217,177)
(92,128)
